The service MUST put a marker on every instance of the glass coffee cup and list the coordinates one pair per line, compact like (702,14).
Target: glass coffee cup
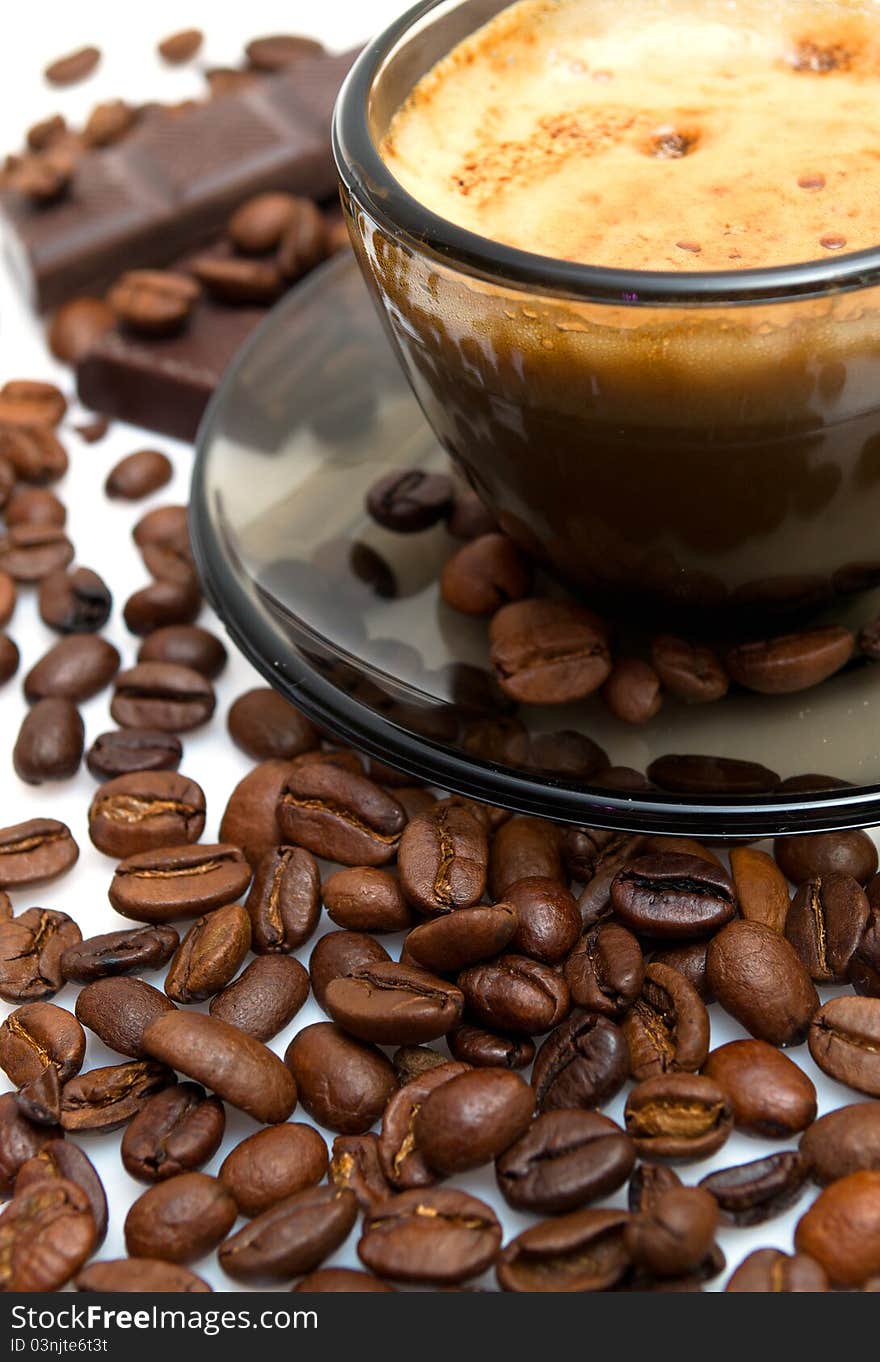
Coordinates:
(700,442)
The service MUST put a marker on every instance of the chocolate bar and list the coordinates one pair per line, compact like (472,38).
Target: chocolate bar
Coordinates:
(172,182)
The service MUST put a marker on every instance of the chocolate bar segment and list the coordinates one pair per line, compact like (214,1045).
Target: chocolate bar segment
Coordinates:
(173,182)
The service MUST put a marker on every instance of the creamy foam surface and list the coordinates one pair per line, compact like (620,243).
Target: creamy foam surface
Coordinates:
(655,134)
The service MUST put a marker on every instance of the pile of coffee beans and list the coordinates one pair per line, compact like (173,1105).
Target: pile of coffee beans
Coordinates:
(500,995)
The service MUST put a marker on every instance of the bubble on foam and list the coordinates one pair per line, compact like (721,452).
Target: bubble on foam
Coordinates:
(832,242)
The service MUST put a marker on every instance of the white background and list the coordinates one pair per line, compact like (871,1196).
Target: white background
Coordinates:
(101,531)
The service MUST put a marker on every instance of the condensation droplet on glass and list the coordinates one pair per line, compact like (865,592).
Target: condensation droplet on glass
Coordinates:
(832,243)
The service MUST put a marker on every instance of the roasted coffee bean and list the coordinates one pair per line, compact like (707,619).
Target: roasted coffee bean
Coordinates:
(842,1142)
(754,1192)
(563,1161)
(583,1251)
(674,1233)
(769,1094)
(663,894)
(31,946)
(410,500)
(38,457)
(236,1067)
(161,604)
(74,602)
(154,302)
(46,1234)
(524,847)
(472,1119)
(8,597)
(144,811)
(487,1050)
(284,902)
(343,1083)
(355,1164)
(340,1279)
(127,750)
(825,924)
(401,1159)
(164,525)
(485,574)
(760,887)
(633,691)
(338,954)
(162,696)
(77,325)
(265,996)
(515,994)
(185,645)
(683,846)
(176,1131)
(393,1004)
(582,1063)
(758,977)
(178,881)
(260,223)
(340,816)
(73,67)
(827,853)
(30,553)
(305,243)
(263,724)
(120,1010)
(678,1116)
(180,47)
(411,1061)
(470,518)
(279,50)
(9,658)
(594,856)
(273,1164)
(34,1040)
(436,1236)
(502,740)
(50,741)
(33,852)
(62,1159)
(844,1041)
(106,1098)
(363,898)
(76,668)
(167,564)
(548,920)
(863,971)
(648,1183)
(841,1230)
(568,753)
(138,475)
(443,857)
(605,970)
(772,1270)
(291,1237)
(235,281)
(700,775)
(548,651)
(447,944)
(210,955)
(181,1219)
(667,1027)
(791,662)
(690,671)
(249,820)
(114,953)
(137,1275)
(20,1141)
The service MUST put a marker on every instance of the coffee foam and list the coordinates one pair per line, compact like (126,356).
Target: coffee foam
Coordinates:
(655,134)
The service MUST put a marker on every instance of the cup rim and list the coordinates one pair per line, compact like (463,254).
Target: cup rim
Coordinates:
(367,178)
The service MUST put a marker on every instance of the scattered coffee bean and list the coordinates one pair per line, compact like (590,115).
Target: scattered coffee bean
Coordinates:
(168,525)
(707,775)
(127,750)
(73,67)
(46,1233)
(160,604)
(263,724)
(31,946)
(825,924)
(522,848)
(667,895)
(338,954)
(137,1275)
(41,1046)
(291,1237)
(154,302)
(343,1083)
(37,456)
(769,1094)
(260,223)
(181,47)
(667,1027)
(548,651)
(75,602)
(754,1192)
(674,1233)
(176,1131)
(272,1165)
(35,851)
(9,658)
(62,1159)
(264,998)
(844,1041)
(50,741)
(393,1004)
(648,1183)
(760,887)
(210,955)
(75,668)
(233,1065)
(584,1062)
(563,1161)
(582,1251)
(690,671)
(443,857)
(114,953)
(791,662)
(515,994)
(104,1099)
(355,1164)
(487,1050)
(340,1279)
(633,691)
(181,1219)
(815,854)
(757,977)
(138,475)
(842,1142)
(340,816)
(605,970)
(178,881)
(119,1010)
(485,574)
(20,1140)
(77,325)
(410,500)
(436,1236)
(185,645)
(841,1230)
(144,811)
(29,553)
(363,898)
(678,1116)
(284,902)
(773,1270)
(400,1154)
(447,944)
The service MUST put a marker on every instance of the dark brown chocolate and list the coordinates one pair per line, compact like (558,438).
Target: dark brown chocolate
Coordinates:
(174,181)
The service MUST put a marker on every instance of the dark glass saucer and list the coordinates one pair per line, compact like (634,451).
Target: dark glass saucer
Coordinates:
(345,619)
